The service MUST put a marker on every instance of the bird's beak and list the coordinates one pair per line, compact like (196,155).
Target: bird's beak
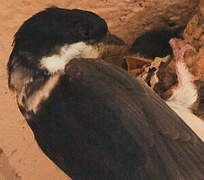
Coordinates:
(112,39)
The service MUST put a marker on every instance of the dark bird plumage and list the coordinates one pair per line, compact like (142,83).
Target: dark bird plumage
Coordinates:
(93,119)
(155,43)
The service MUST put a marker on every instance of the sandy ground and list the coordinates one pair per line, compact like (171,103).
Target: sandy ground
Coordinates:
(21,158)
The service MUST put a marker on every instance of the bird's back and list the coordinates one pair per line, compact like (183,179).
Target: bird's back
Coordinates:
(101,123)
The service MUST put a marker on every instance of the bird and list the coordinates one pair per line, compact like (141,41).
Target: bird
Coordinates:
(154,43)
(173,80)
(185,94)
(91,118)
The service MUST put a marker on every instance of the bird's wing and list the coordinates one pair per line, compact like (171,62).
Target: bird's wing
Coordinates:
(130,108)
(121,124)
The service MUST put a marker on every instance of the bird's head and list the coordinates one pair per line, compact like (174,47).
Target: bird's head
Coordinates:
(47,41)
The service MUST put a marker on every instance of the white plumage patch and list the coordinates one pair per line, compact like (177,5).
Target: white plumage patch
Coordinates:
(58,62)
(32,103)
(185,94)
(195,123)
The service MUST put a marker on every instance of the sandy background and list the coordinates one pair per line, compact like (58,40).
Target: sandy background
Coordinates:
(20,157)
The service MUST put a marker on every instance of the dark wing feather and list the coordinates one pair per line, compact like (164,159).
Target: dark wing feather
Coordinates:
(101,123)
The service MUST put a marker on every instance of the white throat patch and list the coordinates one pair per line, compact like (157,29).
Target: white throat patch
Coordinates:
(57,62)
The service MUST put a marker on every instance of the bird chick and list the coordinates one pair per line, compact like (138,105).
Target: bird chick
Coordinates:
(185,93)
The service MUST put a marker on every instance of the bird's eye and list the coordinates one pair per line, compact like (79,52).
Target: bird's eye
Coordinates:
(84,30)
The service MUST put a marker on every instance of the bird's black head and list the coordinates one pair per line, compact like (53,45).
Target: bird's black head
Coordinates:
(55,27)
(59,34)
